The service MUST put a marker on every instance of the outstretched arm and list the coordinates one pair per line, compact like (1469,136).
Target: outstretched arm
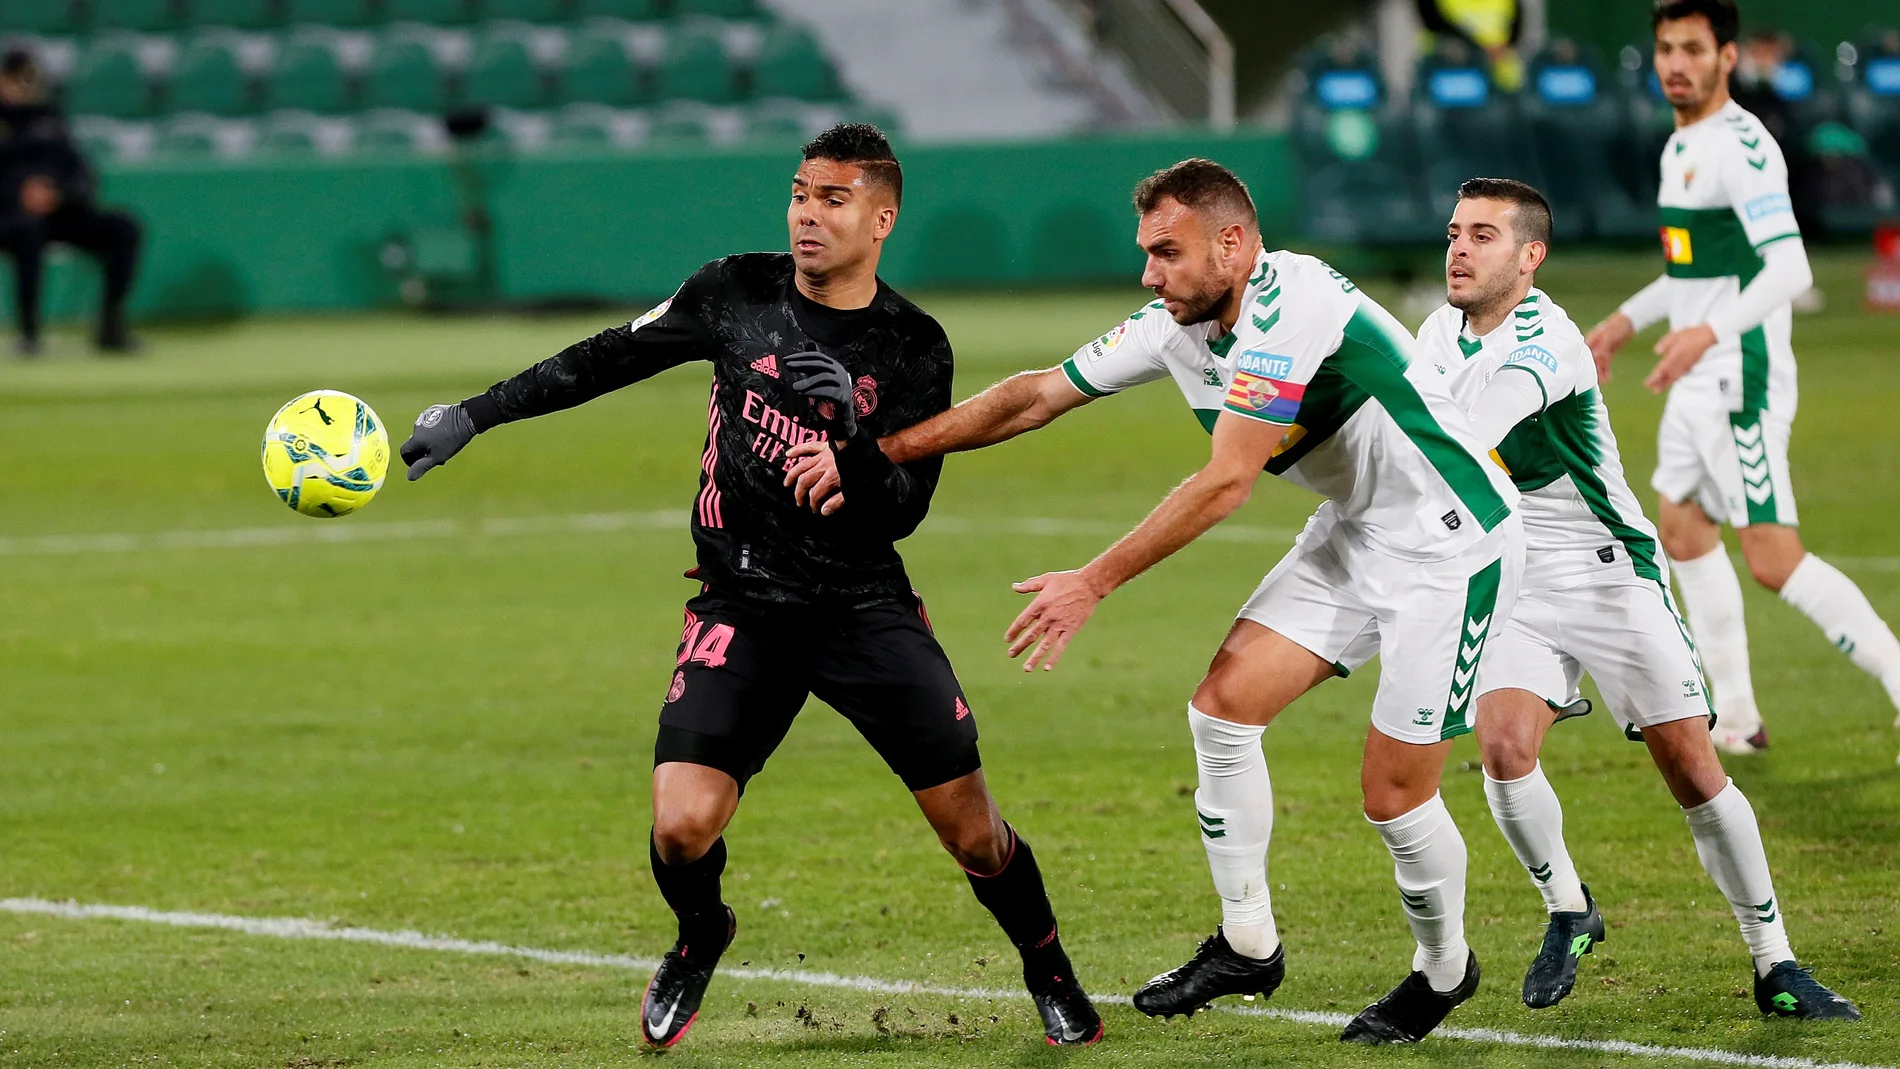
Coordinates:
(1018,404)
(1065,600)
(666,337)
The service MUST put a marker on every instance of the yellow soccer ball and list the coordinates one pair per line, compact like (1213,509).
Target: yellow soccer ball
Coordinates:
(325,453)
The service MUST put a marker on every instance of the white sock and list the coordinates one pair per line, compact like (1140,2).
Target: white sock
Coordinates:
(1532,820)
(1712,597)
(1728,841)
(1842,613)
(1428,858)
(1235,806)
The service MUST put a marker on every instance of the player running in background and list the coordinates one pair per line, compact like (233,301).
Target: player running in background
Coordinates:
(1595,598)
(807,346)
(1734,261)
(1414,555)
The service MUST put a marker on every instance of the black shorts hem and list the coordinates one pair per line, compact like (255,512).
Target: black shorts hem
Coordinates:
(689,747)
(938,773)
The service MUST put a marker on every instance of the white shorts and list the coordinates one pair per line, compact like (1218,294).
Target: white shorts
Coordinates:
(1733,464)
(1428,623)
(1579,614)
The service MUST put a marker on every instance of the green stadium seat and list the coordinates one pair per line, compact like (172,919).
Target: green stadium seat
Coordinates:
(238,14)
(780,122)
(144,16)
(377,136)
(631,10)
(433,12)
(207,77)
(336,12)
(676,126)
(51,18)
(403,74)
(285,139)
(307,75)
(107,80)
(532,10)
(185,140)
(503,74)
(792,64)
(695,67)
(582,126)
(724,9)
(598,70)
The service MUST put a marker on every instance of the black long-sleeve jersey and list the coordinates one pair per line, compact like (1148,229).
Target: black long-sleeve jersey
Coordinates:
(744,315)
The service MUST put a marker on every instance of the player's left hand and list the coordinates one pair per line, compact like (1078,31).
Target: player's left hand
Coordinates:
(828,386)
(1679,349)
(1064,602)
(814,477)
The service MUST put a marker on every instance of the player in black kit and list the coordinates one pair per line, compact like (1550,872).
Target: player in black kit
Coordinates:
(804,347)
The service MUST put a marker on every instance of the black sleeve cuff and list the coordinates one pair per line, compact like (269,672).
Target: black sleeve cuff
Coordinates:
(483,412)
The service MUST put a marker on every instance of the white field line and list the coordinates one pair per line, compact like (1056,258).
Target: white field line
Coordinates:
(342,532)
(346,531)
(297,928)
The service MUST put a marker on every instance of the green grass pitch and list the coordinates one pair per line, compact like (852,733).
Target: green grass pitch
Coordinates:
(445,722)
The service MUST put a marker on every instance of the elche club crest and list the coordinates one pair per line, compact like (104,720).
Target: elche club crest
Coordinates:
(1260,393)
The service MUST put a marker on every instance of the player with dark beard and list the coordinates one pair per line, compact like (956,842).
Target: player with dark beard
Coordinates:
(810,346)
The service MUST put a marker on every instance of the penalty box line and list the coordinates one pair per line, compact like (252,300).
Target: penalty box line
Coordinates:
(299,928)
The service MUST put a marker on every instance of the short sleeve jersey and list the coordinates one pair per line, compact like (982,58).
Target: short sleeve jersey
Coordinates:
(1562,458)
(1724,199)
(1369,427)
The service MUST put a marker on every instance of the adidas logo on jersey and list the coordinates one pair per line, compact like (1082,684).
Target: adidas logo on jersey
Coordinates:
(766,365)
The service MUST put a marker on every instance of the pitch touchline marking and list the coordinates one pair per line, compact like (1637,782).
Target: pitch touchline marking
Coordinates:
(298,928)
(347,531)
(333,532)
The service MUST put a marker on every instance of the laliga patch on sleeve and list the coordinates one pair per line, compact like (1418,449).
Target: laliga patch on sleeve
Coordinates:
(1533,354)
(656,313)
(1766,205)
(1266,365)
(1108,343)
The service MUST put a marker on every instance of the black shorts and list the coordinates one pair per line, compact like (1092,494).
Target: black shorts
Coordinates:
(745,670)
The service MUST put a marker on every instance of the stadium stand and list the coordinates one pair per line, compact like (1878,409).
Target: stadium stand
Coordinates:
(224,78)
(1357,152)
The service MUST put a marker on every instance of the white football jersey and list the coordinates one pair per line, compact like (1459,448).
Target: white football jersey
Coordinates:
(1562,458)
(1369,427)
(1724,198)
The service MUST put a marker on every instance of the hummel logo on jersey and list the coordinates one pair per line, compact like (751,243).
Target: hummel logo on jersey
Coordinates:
(766,365)
(1451,520)
(1211,377)
(963,710)
(1691,688)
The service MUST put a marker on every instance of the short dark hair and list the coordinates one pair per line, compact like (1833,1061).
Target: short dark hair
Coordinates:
(1722,16)
(18,63)
(1201,186)
(864,146)
(1533,211)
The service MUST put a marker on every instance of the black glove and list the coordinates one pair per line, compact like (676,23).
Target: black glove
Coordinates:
(441,432)
(828,386)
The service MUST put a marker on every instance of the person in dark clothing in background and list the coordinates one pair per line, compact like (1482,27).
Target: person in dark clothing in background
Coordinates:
(46,195)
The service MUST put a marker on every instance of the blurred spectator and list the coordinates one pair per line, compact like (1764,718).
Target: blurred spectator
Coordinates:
(1755,87)
(46,195)
(1491,26)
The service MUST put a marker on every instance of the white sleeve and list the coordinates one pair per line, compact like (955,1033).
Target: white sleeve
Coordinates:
(1507,401)
(1282,346)
(1755,177)
(1785,275)
(1650,305)
(1127,356)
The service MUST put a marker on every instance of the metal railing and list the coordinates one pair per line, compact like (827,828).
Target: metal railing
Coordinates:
(1178,50)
